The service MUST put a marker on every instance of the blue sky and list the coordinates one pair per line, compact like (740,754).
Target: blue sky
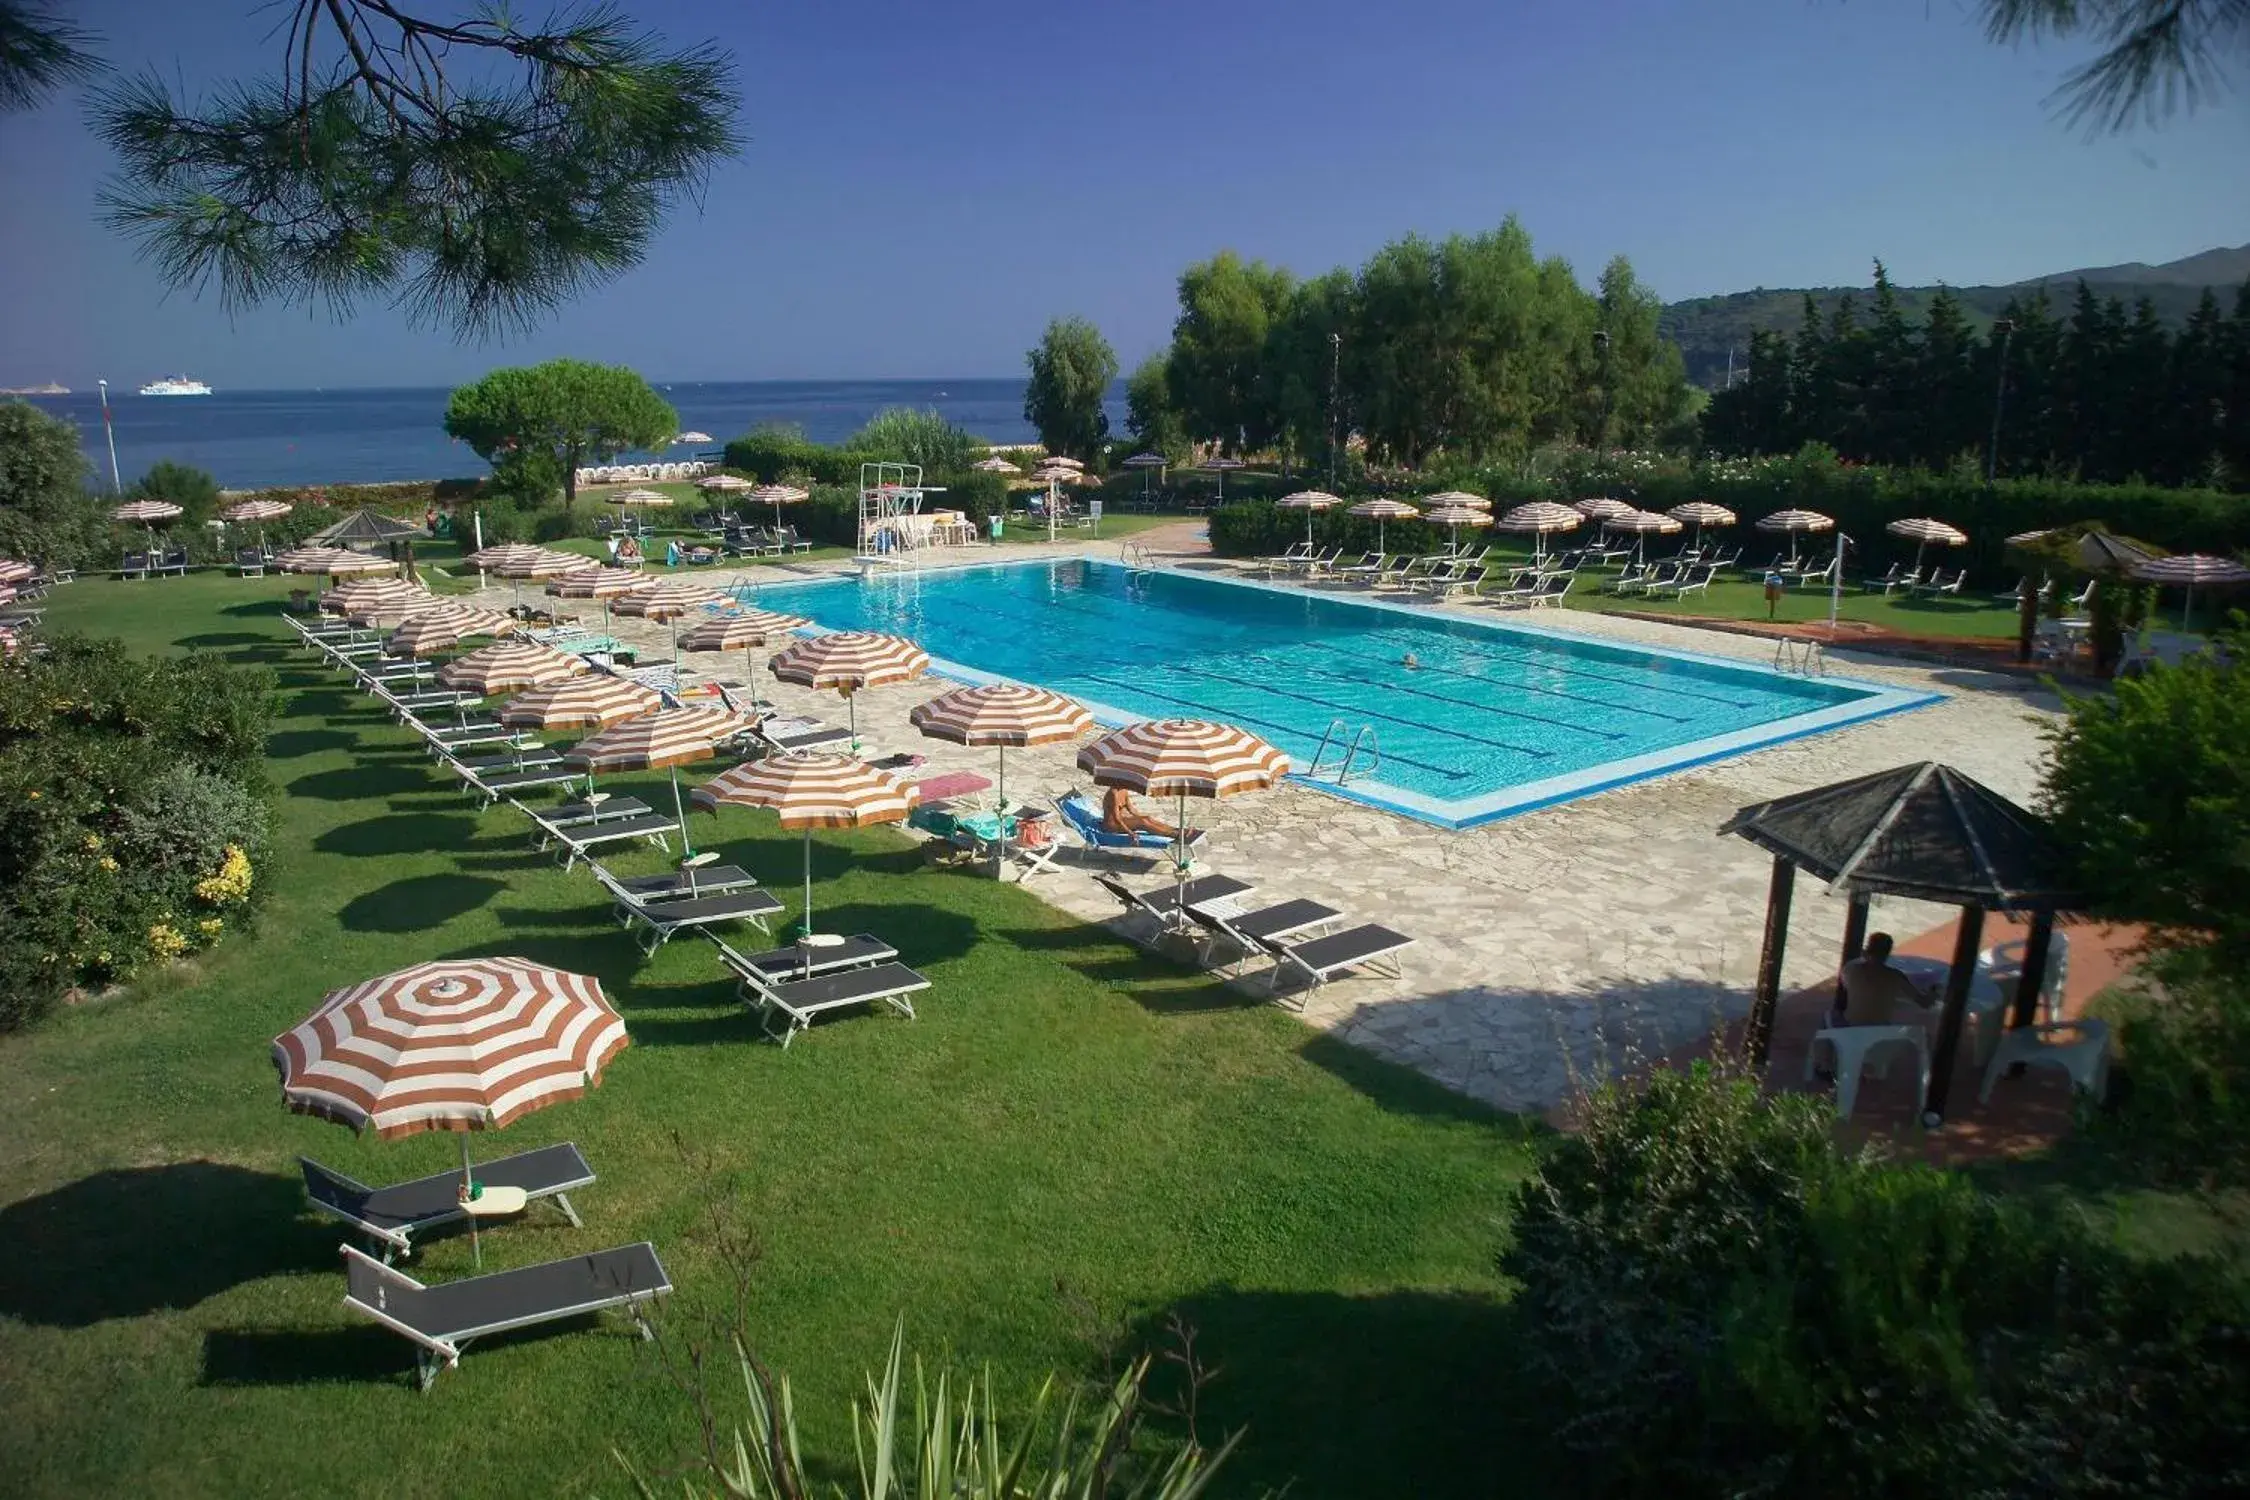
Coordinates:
(928,183)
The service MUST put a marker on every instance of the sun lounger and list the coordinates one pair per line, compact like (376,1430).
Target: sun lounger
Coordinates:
(493,785)
(1162,906)
(1281,562)
(1394,574)
(1462,581)
(419,705)
(1225,922)
(1321,959)
(531,756)
(249,562)
(580,839)
(391,1216)
(481,730)
(442,1320)
(1369,567)
(1696,581)
(1086,823)
(1548,588)
(668,916)
(793,1004)
(713,880)
(594,810)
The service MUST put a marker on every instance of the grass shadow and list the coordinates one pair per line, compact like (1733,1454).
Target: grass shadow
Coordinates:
(220,639)
(289,744)
(398,833)
(417,903)
(352,783)
(132,1241)
(283,1356)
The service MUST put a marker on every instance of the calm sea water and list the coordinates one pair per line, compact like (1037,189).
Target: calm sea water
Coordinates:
(253,438)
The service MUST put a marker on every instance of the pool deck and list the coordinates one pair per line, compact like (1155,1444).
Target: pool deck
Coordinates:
(1558,944)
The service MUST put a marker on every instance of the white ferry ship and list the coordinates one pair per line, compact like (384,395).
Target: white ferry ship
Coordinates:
(177,385)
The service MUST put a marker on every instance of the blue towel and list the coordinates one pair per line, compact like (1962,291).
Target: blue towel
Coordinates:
(1088,822)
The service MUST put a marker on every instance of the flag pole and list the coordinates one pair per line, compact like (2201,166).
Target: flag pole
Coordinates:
(116,485)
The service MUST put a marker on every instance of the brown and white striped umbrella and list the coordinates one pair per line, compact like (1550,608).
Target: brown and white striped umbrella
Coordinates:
(722,484)
(661,741)
(1453,518)
(441,628)
(1642,523)
(1927,531)
(1602,507)
(1382,513)
(1797,520)
(333,562)
(593,581)
(522,560)
(589,702)
(744,631)
(1183,758)
(14,571)
(808,792)
(670,600)
(777,495)
(849,660)
(510,666)
(644,497)
(256,510)
(1060,461)
(2192,568)
(994,464)
(145,512)
(366,601)
(1003,715)
(1701,513)
(1539,518)
(1450,499)
(1308,501)
(458,1044)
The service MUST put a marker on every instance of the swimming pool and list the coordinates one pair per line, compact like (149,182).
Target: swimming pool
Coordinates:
(1493,718)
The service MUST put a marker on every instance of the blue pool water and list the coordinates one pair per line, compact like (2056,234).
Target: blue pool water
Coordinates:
(1493,719)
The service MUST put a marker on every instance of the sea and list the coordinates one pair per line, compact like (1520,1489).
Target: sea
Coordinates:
(253,439)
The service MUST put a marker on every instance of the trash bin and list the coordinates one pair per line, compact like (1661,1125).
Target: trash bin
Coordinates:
(995,523)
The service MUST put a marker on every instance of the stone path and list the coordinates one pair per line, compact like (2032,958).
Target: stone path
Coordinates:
(1564,941)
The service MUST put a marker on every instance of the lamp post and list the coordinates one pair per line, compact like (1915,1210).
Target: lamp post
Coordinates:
(1601,353)
(1335,369)
(2004,327)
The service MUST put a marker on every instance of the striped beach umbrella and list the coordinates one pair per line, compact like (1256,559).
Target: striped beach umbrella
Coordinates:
(511,666)
(1222,466)
(442,627)
(1926,533)
(1797,523)
(594,581)
(1601,507)
(644,497)
(1449,499)
(516,561)
(1060,461)
(1310,502)
(777,495)
(590,702)
(145,513)
(993,463)
(1701,513)
(1539,518)
(256,510)
(744,631)
(1641,525)
(661,741)
(1454,517)
(369,601)
(808,792)
(850,660)
(2190,569)
(723,484)
(670,600)
(1183,758)
(14,571)
(458,1044)
(1382,512)
(1002,714)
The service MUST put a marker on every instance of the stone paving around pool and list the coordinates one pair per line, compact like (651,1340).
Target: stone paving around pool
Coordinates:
(1556,944)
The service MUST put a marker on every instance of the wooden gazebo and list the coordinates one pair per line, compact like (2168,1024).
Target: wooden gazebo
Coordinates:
(1922,831)
(364,529)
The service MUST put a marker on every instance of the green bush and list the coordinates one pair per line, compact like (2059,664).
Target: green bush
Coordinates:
(193,491)
(1721,1302)
(46,512)
(904,435)
(131,816)
(776,454)
(2182,1114)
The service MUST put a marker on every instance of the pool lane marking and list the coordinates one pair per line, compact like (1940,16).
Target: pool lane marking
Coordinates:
(1485,656)
(1353,708)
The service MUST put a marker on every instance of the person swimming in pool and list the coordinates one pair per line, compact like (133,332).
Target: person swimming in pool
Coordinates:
(1119,815)
(1411,662)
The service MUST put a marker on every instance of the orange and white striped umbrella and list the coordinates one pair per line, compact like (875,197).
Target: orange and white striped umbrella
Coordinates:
(509,666)
(365,601)
(1701,513)
(744,631)
(335,562)
(1602,507)
(582,703)
(670,600)
(1002,713)
(256,510)
(523,560)
(1455,500)
(593,581)
(668,737)
(145,512)
(849,660)
(442,627)
(1183,758)
(1797,520)
(723,484)
(811,791)
(458,1044)
(13,571)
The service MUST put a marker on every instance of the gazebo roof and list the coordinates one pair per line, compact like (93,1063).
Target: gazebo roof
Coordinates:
(362,526)
(1924,831)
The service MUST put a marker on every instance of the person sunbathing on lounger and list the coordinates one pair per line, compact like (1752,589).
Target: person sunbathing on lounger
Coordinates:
(1119,815)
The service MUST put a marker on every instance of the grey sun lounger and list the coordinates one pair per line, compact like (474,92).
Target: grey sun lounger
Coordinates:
(391,1216)
(794,962)
(666,917)
(1318,960)
(788,1007)
(442,1320)
(1223,922)
(573,814)
(532,757)
(1162,907)
(579,840)
(493,785)
(714,881)
(481,730)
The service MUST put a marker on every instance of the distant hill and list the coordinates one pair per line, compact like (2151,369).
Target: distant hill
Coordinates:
(1705,328)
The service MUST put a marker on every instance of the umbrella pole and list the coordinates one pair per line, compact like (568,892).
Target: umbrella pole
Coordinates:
(476,1245)
(687,844)
(1000,861)
(808,898)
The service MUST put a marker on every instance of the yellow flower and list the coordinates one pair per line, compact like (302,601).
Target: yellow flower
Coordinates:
(33,794)
(93,841)
(211,927)
(164,942)
(107,863)
(230,884)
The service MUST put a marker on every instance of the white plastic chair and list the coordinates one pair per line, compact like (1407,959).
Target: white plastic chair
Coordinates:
(1992,993)
(1852,1044)
(2085,1059)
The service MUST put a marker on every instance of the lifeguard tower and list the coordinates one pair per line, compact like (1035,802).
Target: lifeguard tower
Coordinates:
(892,527)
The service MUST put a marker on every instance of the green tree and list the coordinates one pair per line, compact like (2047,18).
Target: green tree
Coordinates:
(907,435)
(475,173)
(46,513)
(1149,413)
(39,52)
(1072,369)
(536,425)
(1306,349)
(193,491)
(1647,382)
(2156,55)
(1227,311)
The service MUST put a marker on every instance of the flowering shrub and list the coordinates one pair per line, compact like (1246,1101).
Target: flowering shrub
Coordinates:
(229,885)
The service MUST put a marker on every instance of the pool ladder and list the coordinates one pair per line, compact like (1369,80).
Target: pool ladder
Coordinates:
(1135,557)
(1803,658)
(1363,736)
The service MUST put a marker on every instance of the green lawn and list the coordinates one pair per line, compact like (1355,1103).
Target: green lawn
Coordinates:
(1973,615)
(1065,1112)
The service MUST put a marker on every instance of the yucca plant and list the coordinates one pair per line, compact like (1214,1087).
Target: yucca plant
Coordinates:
(951,1444)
